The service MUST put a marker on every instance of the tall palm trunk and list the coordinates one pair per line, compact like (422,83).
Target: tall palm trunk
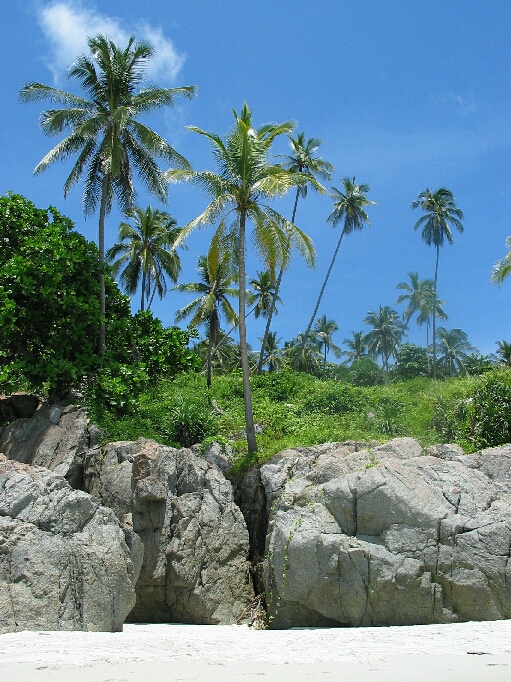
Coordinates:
(210,344)
(143,290)
(247,395)
(306,335)
(274,299)
(434,312)
(105,184)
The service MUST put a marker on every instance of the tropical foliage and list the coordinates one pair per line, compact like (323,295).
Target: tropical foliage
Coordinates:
(105,133)
(386,333)
(440,213)
(454,349)
(145,253)
(245,181)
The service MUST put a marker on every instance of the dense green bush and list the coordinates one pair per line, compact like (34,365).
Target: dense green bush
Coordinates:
(49,298)
(333,398)
(411,362)
(366,372)
(491,410)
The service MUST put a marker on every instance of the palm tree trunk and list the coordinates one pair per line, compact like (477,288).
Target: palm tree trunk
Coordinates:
(152,297)
(324,360)
(143,291)
(247,394)
(101,247)
(306,335)
(210,343)
(274,299)
(434,312)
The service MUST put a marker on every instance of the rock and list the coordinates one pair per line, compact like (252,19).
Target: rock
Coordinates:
(196,544)
(449,451)
(65,561)
(381,535)
(55,437)
(219,454)
(108,473)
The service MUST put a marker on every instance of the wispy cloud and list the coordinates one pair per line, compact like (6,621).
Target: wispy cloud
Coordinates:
(67,25)
(466,104)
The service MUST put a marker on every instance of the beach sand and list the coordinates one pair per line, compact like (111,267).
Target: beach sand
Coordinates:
(465,652)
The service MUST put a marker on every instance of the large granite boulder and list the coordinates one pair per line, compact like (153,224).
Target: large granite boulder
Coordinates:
(65,561)
(196,544)
(56,437)
(386,536)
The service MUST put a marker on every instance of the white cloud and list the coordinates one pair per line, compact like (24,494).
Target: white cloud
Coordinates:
(466,104)
(67,25)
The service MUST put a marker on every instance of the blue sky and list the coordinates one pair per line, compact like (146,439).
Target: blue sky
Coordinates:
(405,95)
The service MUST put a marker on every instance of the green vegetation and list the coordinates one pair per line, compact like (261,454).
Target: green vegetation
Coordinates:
(296,409)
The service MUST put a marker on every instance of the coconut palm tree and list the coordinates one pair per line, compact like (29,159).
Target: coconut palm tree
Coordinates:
(273,357)
(305,355)
(263,290)
(146,252)
(504,353)
(302,159)
(440,212)
(454,349)
(324,330)
(105,135)
(357,347)
(386,333)
(245,181)
(502,267)
(216,277)
(349,207)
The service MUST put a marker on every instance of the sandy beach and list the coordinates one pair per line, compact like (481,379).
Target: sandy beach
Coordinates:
(468,652)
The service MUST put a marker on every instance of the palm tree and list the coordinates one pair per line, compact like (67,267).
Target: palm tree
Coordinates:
(504,353)
(105,134)
(455,349)
(303,159)
(357,347)
(305,354)
(245,180)
(502,267)
(324,330)
(216,277)
(273,358)
(440,212)
(146,251)
(262,294)
(386,333)
(348,207)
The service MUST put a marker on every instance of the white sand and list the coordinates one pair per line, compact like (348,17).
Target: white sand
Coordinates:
(478,652)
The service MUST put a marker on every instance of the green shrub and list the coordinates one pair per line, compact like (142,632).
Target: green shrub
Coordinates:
(365,372)
(491,421)
(333,398)
(191,421)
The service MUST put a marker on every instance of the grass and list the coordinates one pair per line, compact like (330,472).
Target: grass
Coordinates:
(293,409)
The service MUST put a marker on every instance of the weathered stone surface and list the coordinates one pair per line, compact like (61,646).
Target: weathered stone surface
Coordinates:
(196,544)
(219,454)
(55,437)
(385,536)
(65,561)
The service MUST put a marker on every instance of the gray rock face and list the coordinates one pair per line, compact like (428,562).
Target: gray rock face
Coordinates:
(385,536)
(65,561)
(196,567)
(196,544)
(55,437)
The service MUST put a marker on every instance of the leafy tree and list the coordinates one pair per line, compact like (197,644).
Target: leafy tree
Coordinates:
(324,330)
(49,308)
(216,277)
(357,347)
(105,132)
(454,349)
(411,361)
(364,371)
(440,211)
(349,207)
(502,267)
(146,252)
(386,333)
(244,182)
(302,159)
